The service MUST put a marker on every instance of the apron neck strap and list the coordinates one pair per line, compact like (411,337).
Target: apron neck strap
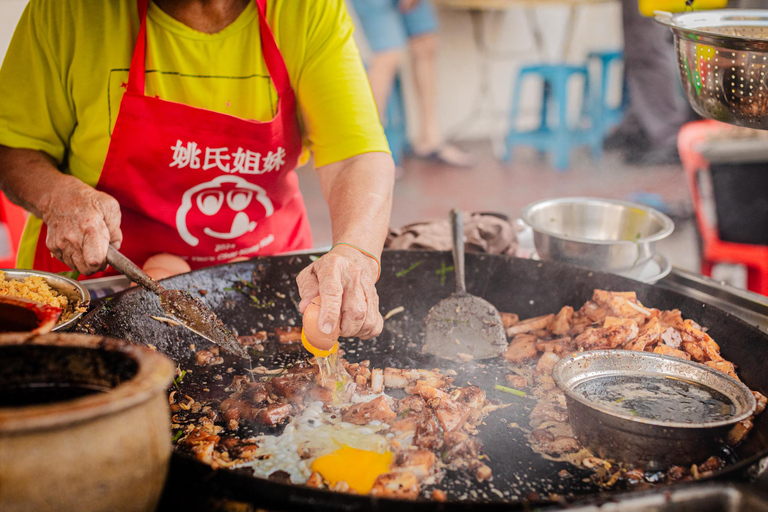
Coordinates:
(272,56)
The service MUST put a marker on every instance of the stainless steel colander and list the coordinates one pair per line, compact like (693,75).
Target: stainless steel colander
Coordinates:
(723,62)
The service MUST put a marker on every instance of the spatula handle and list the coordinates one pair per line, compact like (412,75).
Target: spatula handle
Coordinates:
(131,271)
(457,232)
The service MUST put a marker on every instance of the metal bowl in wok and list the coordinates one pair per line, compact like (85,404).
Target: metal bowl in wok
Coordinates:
(635,422)
(601,234)
(722,57)
(77,294)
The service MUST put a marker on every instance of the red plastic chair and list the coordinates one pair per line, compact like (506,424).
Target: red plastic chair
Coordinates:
(15,218)
(754,257)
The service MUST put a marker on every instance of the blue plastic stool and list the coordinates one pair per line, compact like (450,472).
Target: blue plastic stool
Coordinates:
(603,116)
(560,139)
(395,125)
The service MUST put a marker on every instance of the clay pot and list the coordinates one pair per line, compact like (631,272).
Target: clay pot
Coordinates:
(106,451)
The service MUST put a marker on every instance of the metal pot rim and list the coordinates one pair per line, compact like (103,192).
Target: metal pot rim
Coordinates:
(667,229)
(567,389)
(83,295)
(153,376)
(720,17)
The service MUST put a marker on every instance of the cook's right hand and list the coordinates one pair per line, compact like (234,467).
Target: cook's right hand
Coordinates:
(82,222)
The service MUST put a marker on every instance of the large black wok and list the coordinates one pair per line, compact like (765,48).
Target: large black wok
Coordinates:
(525,287)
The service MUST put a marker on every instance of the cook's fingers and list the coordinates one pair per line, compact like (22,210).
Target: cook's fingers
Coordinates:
(308,286)
(331,295)
(373,322)
(94,250)
(353,308)
(112,216)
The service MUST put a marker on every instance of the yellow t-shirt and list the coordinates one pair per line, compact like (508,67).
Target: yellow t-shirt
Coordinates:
(65,72)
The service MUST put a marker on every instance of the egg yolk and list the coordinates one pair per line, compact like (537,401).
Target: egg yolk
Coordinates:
(316,351)
(358,468)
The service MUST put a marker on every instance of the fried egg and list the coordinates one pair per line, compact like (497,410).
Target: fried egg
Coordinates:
(315,434)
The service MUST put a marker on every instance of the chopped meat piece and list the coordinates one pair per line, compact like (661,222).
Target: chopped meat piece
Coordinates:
(315,480)
(690,334)
(543,371)
(669,351)
(412,403)
(481,471)
(291,388)
(676,473)
(288,335)
(761,402)
(204,357)
(471,396)
(405,425)
(671,337)
(612,321)
(559,346)
(739,431)
(363,413)
(428,433)
(603,337)
(377,380)
(451,415)
(724,366)
(561,323)
(648,336)
(202,444)
(580,324)
(399,378)
(671,318)
(280,476)
(532,324)
(593,312)
(273,415)
(359,373)
(253,340)
(522,347)
(427,392)
(695,351)
(509,319)
(458,446)
(419,462)
(516,381)
(402,485)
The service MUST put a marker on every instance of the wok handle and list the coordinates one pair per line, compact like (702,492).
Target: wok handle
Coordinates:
(457,235)
(131,271)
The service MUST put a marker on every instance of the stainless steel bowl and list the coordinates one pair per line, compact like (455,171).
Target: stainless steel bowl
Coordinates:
(723,60)
(75,292)
(617,434)
(601,234)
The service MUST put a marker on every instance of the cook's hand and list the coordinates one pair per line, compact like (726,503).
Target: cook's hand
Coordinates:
(345,280)
(407,5)
(82,222)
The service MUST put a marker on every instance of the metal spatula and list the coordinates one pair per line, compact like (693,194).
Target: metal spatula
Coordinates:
(181,306)
(463,325)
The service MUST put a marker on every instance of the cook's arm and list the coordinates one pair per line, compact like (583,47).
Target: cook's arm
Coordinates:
(81,221)
(358,191)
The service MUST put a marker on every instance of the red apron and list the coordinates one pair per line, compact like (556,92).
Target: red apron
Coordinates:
(205,186)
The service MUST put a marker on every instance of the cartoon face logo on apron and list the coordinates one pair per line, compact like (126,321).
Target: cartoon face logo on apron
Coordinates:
(206,186)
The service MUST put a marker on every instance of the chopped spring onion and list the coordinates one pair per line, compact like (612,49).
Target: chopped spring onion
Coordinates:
(511,391)
(407,270)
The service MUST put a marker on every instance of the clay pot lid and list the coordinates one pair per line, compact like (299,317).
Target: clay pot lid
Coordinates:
(154,374)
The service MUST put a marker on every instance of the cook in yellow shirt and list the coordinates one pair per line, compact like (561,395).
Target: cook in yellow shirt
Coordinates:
(66,70)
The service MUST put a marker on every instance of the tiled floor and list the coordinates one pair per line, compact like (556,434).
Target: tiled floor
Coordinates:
(429,191)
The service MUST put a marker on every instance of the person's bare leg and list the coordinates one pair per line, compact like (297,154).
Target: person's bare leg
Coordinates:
(423,50)
(381,73)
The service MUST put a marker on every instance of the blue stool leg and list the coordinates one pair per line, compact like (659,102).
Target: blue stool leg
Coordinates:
(513,115)
(596,127)
(562,140)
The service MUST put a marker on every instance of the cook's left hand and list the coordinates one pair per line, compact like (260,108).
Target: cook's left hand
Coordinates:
(345,279)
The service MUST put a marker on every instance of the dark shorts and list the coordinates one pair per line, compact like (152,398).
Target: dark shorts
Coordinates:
(386,28)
